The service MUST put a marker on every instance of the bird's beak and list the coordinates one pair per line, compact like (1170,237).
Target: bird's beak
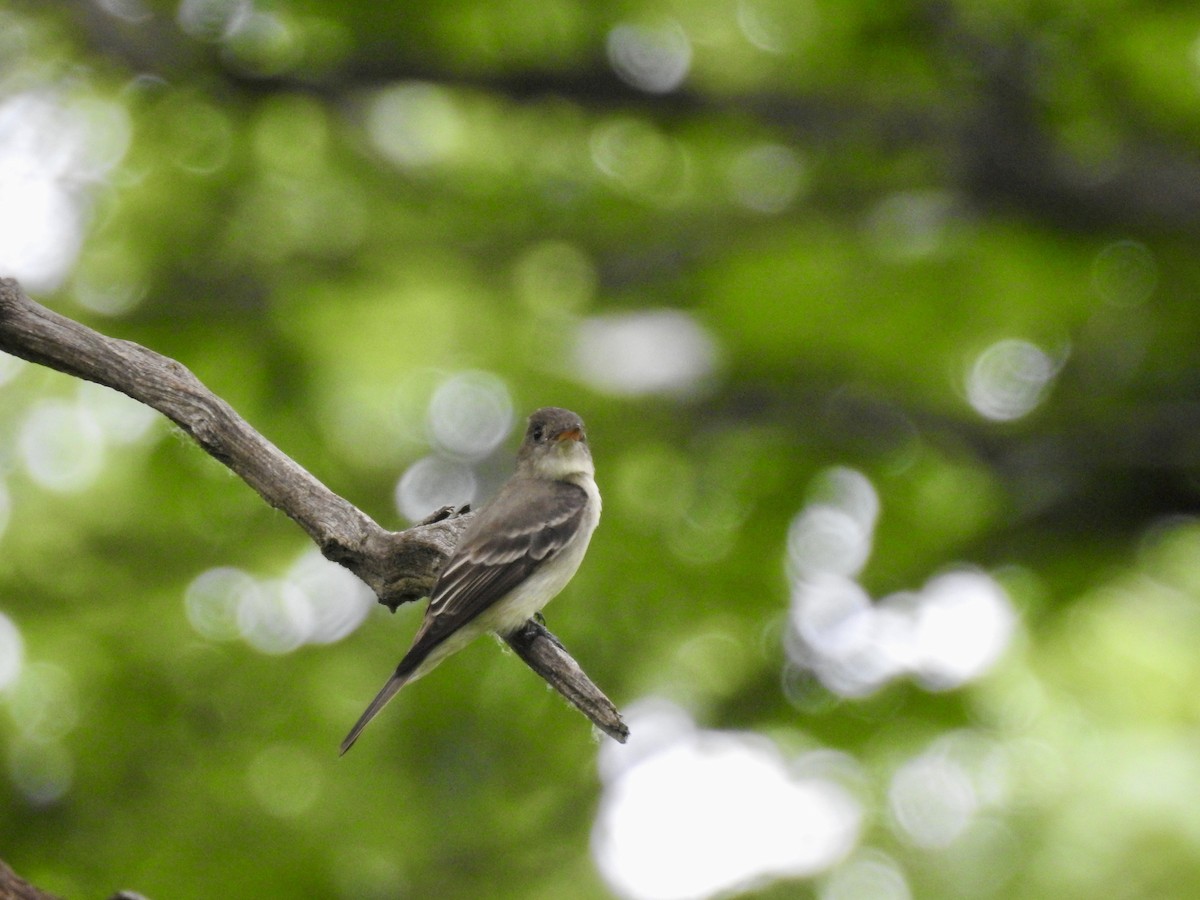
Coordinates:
(571,434)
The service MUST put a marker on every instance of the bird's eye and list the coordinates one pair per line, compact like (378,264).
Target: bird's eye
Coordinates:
(538,432)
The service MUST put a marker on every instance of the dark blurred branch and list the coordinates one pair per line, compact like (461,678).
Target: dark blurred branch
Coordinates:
(1008,154)
(398,566)
(992,129)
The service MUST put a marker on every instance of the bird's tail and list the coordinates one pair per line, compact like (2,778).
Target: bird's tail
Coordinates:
(389,691)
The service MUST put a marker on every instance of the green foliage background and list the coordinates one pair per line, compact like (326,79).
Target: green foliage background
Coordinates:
(961,172)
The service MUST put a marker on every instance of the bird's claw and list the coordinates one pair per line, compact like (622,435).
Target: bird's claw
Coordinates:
(445,512)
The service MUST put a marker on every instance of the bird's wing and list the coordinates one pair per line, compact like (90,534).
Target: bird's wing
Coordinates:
(527,523)
(501,548)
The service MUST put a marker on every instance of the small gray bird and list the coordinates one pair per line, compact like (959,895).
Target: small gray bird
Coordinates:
(516,555)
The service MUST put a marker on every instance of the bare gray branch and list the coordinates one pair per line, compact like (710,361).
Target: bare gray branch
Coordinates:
(398,566)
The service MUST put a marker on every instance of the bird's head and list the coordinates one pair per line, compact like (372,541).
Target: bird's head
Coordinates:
(555,444)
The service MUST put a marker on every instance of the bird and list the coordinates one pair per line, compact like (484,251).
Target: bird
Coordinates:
(521,549)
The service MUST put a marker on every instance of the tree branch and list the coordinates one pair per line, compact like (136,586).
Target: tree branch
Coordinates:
(14,887)
(398,566)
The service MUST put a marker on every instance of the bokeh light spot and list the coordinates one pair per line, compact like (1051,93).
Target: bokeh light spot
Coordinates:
(826,539)
(414,124)
(12,652)
(932,800)
(964,622)
(265,44)
(277,618)
(42,771)
(10,367)
(203,136)
(838,634)
(62,446)
(950,632)
(648,352)
(316,602)
(867,875)
(1009,379)
(212,20)
(43,703)
(835,530)
(766,178)
(832,615)
(640,161)
(337,599)
(109,281)
(212,601)
(132,11)
(770,25)
(55,147)
(694,813)
(433,482)
(654,58)
(96,134)
(470,415)
(947,634)
(41,231)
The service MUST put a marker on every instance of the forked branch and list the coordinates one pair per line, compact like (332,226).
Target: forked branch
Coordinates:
(398,566)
